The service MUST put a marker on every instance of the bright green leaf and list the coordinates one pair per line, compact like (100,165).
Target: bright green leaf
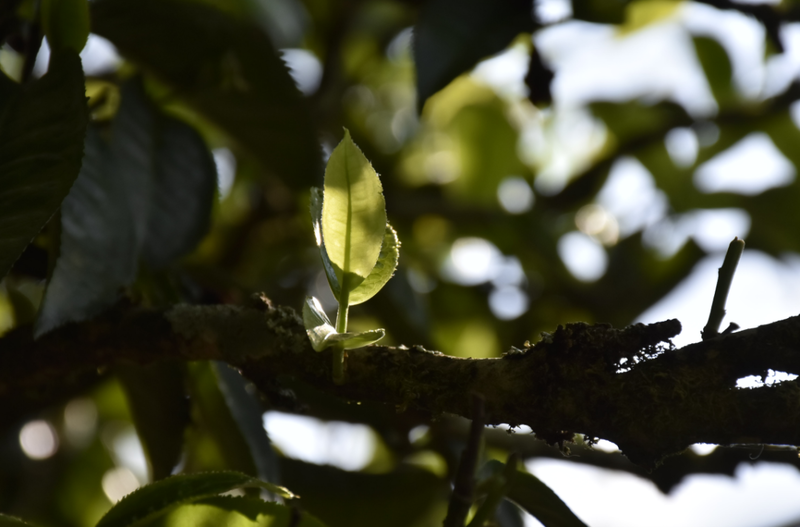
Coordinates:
(383,270)
(225,68)
(42,128)
(153,500)
(235,512)
(66,23)
(317,199)
(353,215)
(453,35)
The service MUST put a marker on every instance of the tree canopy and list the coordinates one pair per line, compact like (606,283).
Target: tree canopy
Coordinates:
(176,222)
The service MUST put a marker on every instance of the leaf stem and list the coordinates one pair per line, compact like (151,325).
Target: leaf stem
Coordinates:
(723,287)
(341,327)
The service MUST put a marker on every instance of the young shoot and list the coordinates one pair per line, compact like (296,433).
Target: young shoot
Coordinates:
(359,249)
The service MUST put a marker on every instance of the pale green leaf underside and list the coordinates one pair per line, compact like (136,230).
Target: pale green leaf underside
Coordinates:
(235,512)
(383,270)
(153,500)
(323,335)
(316,220)
(353,214)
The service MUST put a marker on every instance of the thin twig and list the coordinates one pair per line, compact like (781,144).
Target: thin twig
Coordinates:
(464,485)
(723,286)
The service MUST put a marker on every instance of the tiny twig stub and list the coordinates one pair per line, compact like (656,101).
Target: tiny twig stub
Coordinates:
(724,281)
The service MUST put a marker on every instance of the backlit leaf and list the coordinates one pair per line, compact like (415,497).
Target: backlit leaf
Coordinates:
(323,335)
(316,220)
(383,270)
(353,215)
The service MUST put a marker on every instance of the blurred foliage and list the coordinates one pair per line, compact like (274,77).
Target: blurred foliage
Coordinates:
(485,182)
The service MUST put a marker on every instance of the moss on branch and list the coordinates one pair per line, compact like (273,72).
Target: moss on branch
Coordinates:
(625,385)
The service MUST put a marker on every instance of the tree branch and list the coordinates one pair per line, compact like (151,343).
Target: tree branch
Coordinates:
(623,385)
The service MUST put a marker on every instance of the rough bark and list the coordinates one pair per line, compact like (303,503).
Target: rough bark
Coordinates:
(629,386)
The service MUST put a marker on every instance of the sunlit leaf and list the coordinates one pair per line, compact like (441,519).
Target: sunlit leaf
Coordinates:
(235,512)
(316,220)
(42,128)
(353,215)
(451,36)
(66,23)
(224,67)
(323,335)
(153,500)
(384,269)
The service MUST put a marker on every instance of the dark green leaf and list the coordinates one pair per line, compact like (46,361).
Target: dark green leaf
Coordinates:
(183,193)
(600,11)
(160,409)
(155,499)
(453,35)
(717,67)
(247,410)
(66,23)
(98,243)
(235,512)
(224,67)
(42,128)
(531,494)
(212,412)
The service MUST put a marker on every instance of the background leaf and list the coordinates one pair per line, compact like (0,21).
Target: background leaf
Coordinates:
(453,35)
(146,186)
(247,411)
(153,500)
(531,494)
(42,128)
(66,23)
(225,68)
(98,243)
(236,512)
(160,409)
